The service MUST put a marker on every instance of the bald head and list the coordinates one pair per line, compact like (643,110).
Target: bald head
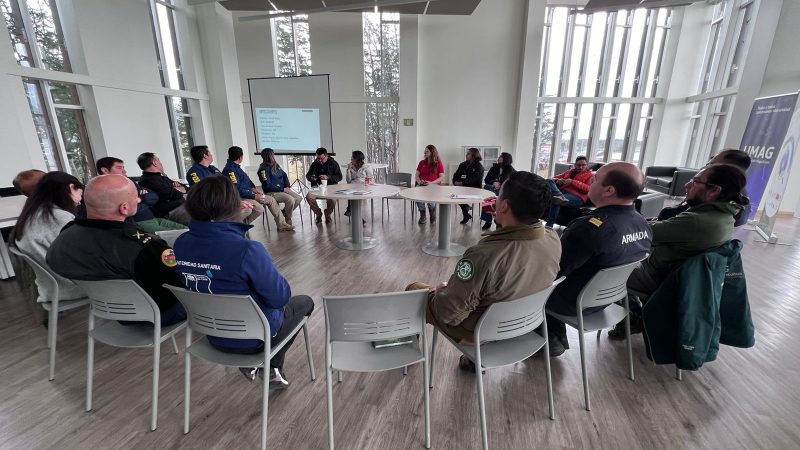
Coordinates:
(616,183)
(26,181)
(110,197)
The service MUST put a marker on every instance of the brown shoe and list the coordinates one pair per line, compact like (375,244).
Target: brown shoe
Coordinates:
(328,218)
(318,218)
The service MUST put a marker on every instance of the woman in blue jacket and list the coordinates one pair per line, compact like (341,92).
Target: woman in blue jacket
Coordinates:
(275,183)
(215,251)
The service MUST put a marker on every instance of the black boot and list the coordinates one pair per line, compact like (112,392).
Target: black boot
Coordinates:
(467,215)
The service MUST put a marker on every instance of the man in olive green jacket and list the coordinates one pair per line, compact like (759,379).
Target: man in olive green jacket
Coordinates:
(714,199)
(519,259)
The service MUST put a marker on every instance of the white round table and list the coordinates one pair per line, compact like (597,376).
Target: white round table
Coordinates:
(357,240)
(443,196)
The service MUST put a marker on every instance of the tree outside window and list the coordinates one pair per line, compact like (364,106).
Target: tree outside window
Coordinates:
(381,34)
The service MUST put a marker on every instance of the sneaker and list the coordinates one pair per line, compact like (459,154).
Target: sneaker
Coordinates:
(618,332)
(559,200)
(286,227)
(467,218)
(318,218)
(347,212)
(328,219)
(466,364)
(486,226)
(556,347)
(276,379)
(363,222)
(421,219)
(249,372)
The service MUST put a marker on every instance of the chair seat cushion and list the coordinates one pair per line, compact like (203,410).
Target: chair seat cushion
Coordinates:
(664,181)
(505,352)
(111,332)
(203,350)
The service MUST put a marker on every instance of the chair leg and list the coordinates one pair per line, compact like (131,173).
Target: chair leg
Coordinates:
(264,406)
(481,404)
(425,392)
(329,390)
(628,337)
(156,365)
(339,376)
(308,352)
(405,370)
(187,380)
(89,364)
(433,351)
(52,337)
(548,372)
(678,374)
(174,344)
(581,344)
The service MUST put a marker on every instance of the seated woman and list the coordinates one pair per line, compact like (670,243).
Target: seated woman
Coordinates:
(469,174)
(357,172)
(215,247)
(494,179)
(52,205)
(430,171)
(275,183)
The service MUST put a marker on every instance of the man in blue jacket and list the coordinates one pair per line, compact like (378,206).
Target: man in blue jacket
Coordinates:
(249,193)
(202,168)
(215,257)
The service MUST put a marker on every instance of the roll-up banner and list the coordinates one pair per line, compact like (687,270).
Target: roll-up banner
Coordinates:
(762,139)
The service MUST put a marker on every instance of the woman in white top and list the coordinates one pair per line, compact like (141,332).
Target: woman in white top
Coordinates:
(52,205)
(357,172)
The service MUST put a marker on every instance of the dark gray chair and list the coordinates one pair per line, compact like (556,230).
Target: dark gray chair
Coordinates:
(668,179)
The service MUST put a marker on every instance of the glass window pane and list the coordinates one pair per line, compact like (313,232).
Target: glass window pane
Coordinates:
(544,137)
(594,54)
(76,143)
(635,42)
(16,31)
(616,55)
(171,63)
(639,141)
(63,93)
(558,33)
(284,45)
(655,63)
(578,39)
(383,137)
(566,140)
(302,44)
(620,130)
(734,71)
(41,120)
(49,37)
(583,127)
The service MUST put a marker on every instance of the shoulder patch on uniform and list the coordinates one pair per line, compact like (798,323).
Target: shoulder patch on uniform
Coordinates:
(195,178)
(233,177)
(168,258)
(595,221)
(465,269)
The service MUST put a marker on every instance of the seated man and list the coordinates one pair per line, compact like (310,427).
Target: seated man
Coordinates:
(614,234)
(519,259)
(144,218)
(714,199)
(170,193)
(326,169)
(730,156)
(26,181)
(570,188)
(248,192)
(202,167)
(215,251)
(104,247)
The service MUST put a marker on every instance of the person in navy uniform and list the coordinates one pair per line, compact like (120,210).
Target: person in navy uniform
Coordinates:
(104,247)
(614,234)
(214,256)
(249,193)
(202,166)
(469,174)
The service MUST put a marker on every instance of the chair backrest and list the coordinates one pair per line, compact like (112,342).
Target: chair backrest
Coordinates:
(225,316)
(509,319)
(120,300)
(375,317)
(606,286)
(170,236)
(43,273)
(399,179)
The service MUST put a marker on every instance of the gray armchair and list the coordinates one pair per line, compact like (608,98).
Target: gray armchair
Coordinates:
(668,179)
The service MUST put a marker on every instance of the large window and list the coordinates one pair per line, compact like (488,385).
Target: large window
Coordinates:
(597,84)
(726,46)
(382,86)
(37,41)
(169,63)
(292,48)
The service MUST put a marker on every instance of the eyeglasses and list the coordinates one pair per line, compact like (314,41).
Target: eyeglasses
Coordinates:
(696,180)
(581,165)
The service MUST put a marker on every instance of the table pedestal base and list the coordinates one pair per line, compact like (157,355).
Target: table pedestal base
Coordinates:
(348,244)
(357,240)
(453,249)
(443,246)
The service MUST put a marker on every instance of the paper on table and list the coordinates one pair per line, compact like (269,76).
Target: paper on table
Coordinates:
(466,196)
(352,192)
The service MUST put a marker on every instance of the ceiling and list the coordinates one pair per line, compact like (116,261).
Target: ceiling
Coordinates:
(613,5)
(438,7)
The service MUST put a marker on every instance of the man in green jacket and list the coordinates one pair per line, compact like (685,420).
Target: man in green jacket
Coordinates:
(714,199)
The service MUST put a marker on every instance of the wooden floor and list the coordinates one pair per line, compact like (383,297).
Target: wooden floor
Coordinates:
(746,399)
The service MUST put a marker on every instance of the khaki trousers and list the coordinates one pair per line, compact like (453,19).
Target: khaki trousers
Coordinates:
(291,201)
(312,203)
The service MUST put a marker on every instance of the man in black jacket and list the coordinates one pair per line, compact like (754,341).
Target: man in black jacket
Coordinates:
(324,169)
(170,193)
(104,247)
(469,174)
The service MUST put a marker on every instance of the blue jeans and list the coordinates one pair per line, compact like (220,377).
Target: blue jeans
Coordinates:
(485,215)
(574,200)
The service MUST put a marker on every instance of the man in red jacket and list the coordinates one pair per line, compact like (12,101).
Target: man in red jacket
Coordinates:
(570,188)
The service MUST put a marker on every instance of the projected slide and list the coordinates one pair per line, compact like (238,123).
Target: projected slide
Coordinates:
(288,128)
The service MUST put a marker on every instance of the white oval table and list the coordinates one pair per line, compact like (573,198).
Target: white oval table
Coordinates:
(357,240)
(443,196)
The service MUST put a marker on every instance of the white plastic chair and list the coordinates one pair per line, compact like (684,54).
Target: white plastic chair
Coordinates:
(237,317)
(606,287)
(397,179)
(170,236)
(353,323)
(506,333)
(53,307)
(124,300)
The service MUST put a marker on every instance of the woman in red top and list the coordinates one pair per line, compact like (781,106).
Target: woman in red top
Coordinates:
(429,171)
